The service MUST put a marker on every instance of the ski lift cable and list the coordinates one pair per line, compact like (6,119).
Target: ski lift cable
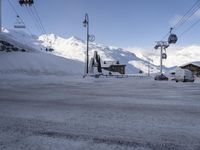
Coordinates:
(186,17)
(38,27)
(36,19)
(39,20)
(188,14)
(188,29)
(27,28)
(12,6)
(189,17)
(32,18)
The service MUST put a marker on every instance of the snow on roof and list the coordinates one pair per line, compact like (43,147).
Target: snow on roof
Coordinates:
(106,64)
(196,63)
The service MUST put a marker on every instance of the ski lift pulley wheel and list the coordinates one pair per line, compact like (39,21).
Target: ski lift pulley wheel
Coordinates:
(164,56)
(91,38)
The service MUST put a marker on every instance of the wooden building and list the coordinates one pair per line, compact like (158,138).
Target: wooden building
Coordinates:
(114,66)
(193,66)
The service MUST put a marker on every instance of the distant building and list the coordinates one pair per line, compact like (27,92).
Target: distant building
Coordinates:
(193,66)
(114,66)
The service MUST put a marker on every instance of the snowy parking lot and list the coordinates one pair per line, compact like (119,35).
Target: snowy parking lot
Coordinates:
(65,113)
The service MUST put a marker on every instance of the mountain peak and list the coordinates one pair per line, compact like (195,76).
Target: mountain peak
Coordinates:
(75,39)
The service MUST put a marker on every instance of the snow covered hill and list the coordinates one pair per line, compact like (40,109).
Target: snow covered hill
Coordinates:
(34,60)
(38,64)
(74,48)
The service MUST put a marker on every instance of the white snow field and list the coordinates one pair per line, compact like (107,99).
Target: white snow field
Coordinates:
(38,63)
(45,104)
(71,113)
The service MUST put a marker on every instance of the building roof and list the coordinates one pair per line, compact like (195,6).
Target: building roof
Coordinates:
(106,64)
(109,65)
(196,63)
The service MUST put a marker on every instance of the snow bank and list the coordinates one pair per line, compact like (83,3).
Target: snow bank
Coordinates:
(38,63)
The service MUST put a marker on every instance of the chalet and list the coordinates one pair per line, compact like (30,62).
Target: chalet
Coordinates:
(114,66)
(193,66)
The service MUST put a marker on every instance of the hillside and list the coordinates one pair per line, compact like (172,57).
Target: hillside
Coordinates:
(68,49)
(24,54)
(74,48)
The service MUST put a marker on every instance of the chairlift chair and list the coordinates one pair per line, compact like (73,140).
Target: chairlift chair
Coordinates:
(19,24)
(26,2)
(21,2)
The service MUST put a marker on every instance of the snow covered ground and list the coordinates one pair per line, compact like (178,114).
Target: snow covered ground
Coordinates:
(45,103)
(71,113)
(38,63)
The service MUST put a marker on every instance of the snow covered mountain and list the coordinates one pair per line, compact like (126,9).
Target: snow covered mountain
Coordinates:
(33,59)
(74,48)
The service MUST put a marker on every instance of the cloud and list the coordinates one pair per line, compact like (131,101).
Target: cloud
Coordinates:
(177,55)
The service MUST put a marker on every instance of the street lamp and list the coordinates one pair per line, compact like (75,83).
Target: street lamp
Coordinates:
(90,38)
(86,24)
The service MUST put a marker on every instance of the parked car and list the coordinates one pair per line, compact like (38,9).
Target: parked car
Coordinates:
(161,77)
(183,75)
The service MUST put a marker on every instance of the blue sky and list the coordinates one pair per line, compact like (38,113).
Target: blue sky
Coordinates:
(123,23)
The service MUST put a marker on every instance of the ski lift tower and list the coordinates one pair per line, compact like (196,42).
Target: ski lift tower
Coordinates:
(163,45)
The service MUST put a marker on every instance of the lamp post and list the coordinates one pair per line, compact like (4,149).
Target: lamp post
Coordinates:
(86,24)
(90,38)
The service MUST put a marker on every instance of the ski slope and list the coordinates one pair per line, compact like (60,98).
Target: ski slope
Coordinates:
(35,61)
